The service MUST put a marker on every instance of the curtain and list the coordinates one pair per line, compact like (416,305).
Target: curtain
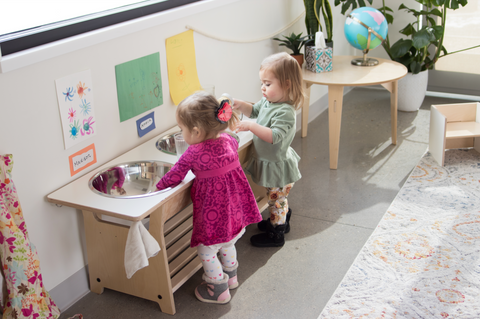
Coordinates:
(25,295)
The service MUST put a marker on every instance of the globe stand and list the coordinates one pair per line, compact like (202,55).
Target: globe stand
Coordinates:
(366,61)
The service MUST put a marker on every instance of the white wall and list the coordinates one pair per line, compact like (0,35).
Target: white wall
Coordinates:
(30,127)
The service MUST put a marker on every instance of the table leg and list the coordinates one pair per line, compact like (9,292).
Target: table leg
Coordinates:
(335,101)
(392,87)
(305,107)
(393,110)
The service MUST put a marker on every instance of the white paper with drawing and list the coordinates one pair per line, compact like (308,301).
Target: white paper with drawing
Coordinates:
(75,102)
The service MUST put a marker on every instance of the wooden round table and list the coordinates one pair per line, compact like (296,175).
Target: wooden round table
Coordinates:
(386,73)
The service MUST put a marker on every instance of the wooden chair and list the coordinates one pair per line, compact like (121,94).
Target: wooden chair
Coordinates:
(453,126)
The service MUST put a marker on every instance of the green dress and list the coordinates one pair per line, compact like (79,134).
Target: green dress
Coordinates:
(275,164)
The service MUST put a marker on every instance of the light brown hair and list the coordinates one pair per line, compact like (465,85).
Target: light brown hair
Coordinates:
(198,110)
(287,70)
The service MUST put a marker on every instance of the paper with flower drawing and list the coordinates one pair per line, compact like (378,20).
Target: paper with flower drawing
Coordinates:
(182,67)
(75,101)
(139,86)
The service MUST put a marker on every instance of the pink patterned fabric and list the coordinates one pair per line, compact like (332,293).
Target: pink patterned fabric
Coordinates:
(26,296)
(223,204)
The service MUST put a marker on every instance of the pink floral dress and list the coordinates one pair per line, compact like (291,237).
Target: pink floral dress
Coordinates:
(223,202)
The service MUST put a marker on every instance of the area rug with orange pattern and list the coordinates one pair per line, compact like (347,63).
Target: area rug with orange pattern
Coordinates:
(423,259)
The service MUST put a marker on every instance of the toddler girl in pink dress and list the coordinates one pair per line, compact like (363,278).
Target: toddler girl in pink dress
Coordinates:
(223,202)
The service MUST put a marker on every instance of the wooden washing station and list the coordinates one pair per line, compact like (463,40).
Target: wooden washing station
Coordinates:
(108,220)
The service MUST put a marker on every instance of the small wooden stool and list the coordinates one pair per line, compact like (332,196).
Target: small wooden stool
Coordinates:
(453,126)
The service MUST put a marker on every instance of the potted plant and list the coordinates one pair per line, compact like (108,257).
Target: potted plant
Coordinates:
(314,9)
(422,48)
(295,43)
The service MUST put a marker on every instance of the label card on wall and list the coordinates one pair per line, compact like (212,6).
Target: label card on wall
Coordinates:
(82,159)
(145,124)
(139,86)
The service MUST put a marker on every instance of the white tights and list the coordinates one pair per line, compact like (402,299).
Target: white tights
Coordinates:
(210,259)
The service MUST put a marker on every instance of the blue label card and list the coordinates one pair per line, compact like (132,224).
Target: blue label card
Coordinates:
(145,124)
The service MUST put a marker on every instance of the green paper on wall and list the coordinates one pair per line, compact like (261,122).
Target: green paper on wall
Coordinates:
(139,86)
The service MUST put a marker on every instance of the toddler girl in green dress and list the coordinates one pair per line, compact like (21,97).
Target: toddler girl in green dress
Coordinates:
(273,163)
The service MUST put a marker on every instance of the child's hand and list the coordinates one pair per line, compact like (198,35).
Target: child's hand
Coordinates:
(236,104)
(244,126)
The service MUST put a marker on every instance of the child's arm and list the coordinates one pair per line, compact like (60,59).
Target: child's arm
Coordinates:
(264,133)
(175,176)
(242,106)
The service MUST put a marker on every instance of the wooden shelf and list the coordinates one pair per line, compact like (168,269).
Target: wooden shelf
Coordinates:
(462,129)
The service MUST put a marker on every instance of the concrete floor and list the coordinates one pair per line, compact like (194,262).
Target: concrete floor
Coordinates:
(334,213)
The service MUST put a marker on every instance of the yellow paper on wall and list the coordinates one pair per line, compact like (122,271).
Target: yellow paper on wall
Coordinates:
(182,67)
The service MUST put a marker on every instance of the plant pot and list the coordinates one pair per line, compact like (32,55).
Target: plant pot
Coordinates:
(411,91)
(299,58)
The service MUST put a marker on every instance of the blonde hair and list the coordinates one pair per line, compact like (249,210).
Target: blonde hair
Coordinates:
(198,110)
(287,70)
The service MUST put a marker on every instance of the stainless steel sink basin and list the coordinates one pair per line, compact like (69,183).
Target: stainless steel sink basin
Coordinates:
(166,144)
(130,180)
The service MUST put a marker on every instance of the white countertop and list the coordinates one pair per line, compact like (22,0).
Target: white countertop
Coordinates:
(77,194)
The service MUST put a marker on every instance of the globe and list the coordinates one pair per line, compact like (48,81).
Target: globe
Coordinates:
(362,24)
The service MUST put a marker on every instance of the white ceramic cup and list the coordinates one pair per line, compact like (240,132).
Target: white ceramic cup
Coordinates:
(180,144)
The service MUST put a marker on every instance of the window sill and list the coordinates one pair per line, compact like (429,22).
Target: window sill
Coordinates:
(28,57)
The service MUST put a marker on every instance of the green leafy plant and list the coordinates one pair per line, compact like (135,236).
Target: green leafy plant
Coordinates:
(319,17)
(424,43)
(315,11)
(293,42)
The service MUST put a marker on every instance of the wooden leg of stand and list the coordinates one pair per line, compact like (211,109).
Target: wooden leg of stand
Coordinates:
(305,108)
(335,101)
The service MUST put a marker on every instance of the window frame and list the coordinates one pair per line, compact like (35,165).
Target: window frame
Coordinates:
(54,49)
(27,39)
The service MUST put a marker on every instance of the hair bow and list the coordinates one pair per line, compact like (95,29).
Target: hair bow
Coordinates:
(223,113)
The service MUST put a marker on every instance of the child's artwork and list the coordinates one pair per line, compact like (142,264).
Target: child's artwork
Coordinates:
(75,101)
(139,86)
(182,67)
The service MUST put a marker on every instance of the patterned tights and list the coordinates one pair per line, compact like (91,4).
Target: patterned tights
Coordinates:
(278,203)
(211,263)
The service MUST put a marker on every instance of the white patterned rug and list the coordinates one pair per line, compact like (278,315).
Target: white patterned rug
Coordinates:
(423,259)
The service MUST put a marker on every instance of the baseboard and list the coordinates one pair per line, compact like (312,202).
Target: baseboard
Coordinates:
(68,292)
(466,97)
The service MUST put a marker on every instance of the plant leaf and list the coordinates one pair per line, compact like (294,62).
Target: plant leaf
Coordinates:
(415,67)
(400,48)
(408,30)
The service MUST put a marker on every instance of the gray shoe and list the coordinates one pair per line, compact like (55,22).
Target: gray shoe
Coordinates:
(213,291)
(232,274)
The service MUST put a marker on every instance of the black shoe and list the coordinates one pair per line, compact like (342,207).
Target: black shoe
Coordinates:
(263,224)
(274,237)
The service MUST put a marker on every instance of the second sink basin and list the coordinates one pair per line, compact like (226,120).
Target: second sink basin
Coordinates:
(130,180)
(166,144)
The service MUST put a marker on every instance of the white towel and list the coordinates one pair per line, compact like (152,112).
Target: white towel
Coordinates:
(139,247)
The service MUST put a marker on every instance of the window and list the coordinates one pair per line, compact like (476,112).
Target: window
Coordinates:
(459,73)
(68,18)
